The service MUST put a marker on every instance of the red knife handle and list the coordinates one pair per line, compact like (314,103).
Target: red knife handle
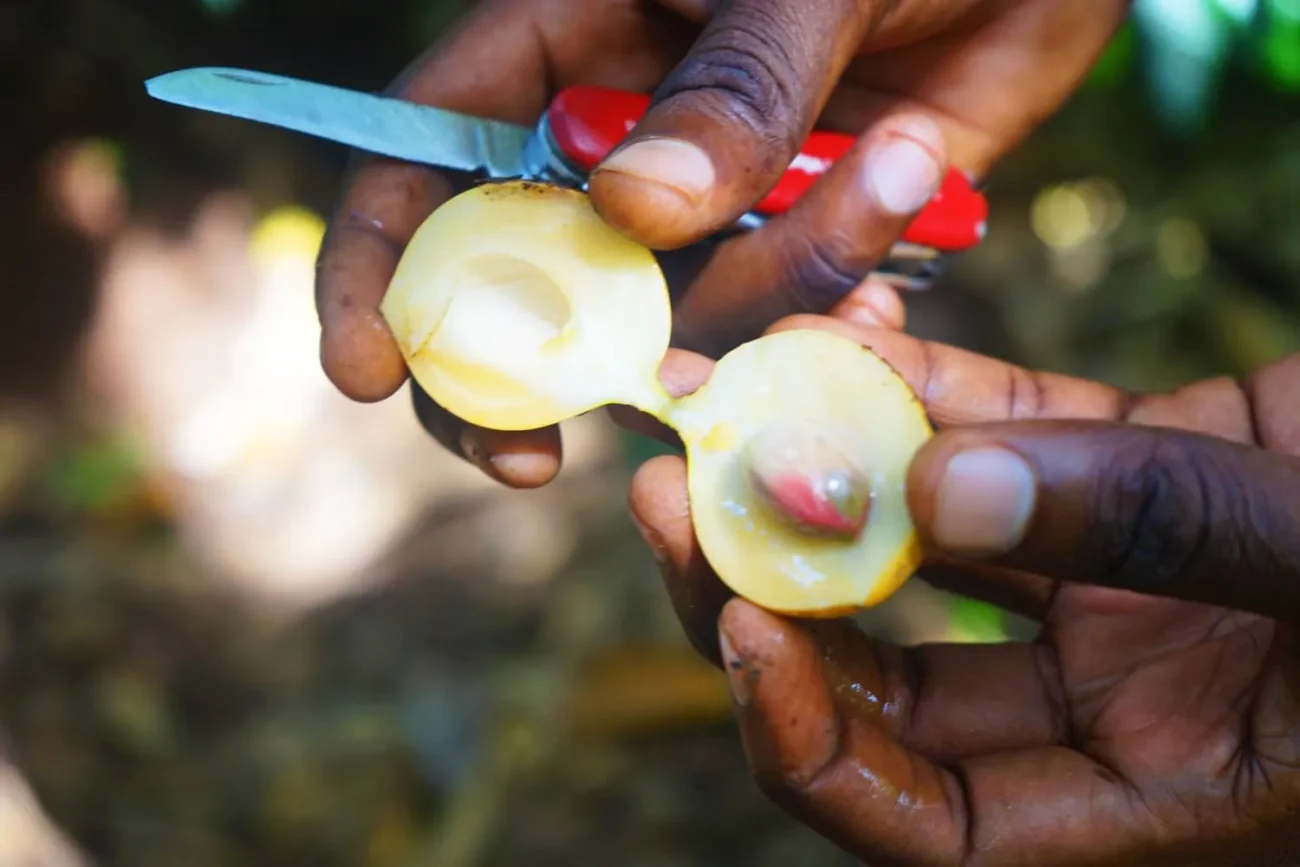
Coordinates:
(586,123)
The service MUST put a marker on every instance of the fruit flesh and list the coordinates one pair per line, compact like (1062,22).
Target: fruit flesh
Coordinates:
(806,376)
(517,307)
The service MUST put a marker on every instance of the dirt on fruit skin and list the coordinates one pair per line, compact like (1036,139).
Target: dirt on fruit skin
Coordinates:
(495,188)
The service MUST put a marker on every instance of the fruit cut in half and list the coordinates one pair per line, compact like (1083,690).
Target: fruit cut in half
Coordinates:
(517,307)
(803,381)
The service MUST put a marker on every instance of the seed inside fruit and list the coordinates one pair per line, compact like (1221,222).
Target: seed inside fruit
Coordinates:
(807,477)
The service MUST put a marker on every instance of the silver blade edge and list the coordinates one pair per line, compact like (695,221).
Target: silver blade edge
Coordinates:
(376,124)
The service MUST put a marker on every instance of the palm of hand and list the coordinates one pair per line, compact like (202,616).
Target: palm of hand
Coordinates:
(1133,731)
(1182,716)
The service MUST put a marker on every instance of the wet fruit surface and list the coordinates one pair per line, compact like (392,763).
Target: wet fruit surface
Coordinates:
(517,307)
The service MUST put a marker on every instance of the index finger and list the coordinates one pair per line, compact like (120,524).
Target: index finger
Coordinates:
(384,201)
(956,386)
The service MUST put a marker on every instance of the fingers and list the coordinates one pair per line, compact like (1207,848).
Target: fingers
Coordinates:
(924,696)
(969,767)
(940,701)
(662,513)
(1153,510)
(728,120)
(519,459)
(989,72)
(845,758)
(872,304)
(383,204)
(1274,412)
(961,387)
(811,259)
(385,201)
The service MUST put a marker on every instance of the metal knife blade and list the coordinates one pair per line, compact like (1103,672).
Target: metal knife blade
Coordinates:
(380,125)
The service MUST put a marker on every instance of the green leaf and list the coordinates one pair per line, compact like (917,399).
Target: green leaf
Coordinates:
(976,621)
(94,476)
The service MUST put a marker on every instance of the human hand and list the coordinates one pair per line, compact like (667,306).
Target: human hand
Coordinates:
(1156,717)
(740,85)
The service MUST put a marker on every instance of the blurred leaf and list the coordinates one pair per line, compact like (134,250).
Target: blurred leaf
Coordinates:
(1117,60)
(975,621)
(135,710)
(638,449)
(1279,48)
(1187,43)
(95,476)
(221,8)
(1249,331)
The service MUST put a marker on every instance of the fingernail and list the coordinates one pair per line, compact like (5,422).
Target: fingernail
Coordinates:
(737,676)
(902,174)
(672,162)
(522,469)
(983,503)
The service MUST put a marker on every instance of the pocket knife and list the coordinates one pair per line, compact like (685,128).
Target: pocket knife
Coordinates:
(578,129)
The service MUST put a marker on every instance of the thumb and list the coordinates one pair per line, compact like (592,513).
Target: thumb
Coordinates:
(1146,509)
(728,120)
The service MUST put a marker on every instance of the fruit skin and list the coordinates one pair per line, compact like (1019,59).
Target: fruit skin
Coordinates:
(517,307)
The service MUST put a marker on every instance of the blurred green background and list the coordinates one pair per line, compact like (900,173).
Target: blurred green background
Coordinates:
(243,621)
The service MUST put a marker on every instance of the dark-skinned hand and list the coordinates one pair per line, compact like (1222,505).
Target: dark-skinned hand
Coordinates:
(738,86)
(1155,719)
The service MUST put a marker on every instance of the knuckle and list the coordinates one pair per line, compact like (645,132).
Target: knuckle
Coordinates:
(750,74)
(1026,394)
(817,273)
(788,785)
(786,772)
(1155,511)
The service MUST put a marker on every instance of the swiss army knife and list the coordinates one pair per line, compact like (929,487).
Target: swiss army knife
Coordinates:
(579,128)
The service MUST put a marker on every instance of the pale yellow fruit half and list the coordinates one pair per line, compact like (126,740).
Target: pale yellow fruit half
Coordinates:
(517,307)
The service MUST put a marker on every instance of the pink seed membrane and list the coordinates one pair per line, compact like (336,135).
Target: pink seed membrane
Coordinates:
(808,482)
(808,505)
